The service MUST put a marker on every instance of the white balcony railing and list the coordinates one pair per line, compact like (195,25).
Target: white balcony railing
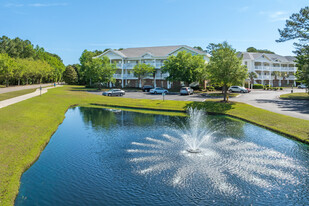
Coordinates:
(131,76)
(131,65)
(267,68)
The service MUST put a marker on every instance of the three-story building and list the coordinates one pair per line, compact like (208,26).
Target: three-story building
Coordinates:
(126,59)
(271,69)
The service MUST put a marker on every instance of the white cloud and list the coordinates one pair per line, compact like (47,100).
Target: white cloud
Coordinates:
(47,5)
(276,15)
(13,5)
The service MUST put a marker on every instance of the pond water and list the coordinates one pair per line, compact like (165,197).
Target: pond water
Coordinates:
(101,156)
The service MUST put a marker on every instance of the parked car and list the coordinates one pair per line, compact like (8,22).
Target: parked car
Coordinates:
(186,90)
(158,90)
(302,86)
(249,90)
(147,88)
(238,89)
(114,92)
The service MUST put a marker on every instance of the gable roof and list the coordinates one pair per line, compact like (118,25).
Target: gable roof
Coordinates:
(158,51)
(273,57)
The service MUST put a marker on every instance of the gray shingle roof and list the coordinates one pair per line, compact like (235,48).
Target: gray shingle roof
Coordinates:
(155,51)
(272,57)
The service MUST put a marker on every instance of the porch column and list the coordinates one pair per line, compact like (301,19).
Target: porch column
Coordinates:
(110,84)
(122,73)
(126,79)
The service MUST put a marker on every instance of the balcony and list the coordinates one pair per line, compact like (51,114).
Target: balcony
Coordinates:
(267,68)
(131,76)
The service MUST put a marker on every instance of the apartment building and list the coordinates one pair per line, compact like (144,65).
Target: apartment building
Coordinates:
(271,69)
(126,59)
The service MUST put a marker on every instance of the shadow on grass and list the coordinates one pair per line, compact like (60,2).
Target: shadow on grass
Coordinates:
(211,106)
(84,89)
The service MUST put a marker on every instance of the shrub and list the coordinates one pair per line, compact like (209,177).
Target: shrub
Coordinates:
(258,86)
(281,88)
(210,88)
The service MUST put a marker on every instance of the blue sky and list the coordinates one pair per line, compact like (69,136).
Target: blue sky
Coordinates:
(67,27)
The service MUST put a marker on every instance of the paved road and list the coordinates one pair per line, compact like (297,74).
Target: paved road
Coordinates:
(17,88)
(146,95)
(14,100)
(269,100)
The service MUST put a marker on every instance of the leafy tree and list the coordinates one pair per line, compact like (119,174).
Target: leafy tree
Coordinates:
(266,51)
(297,27)
(142,70)
(70,75)
(53,60)
(198,48)
(225,67)
(16,48)
(302,73)
(184,67)
(97,70)
(6,67)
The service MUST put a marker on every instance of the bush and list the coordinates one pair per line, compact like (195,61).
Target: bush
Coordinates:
(281,88)
(246,85)
(258,86)
(210,88)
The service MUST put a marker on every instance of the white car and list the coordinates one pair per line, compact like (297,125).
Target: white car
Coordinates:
(114,92)
(302,86)
(186,90)
(238,89)
(158,90)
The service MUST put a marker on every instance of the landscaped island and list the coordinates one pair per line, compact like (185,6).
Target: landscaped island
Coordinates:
(25,135)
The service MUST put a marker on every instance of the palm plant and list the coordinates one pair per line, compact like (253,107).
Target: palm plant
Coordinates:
(276,74)
(252,75)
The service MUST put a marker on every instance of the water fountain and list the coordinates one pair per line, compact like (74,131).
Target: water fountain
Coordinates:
(193,150)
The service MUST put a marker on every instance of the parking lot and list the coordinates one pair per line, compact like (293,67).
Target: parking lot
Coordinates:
(176,96)
(268,100)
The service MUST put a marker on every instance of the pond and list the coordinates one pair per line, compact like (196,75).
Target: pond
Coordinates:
(103,156)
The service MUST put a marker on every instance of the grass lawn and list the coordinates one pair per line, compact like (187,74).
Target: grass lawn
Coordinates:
(27,126)
(295,96)
(10,95)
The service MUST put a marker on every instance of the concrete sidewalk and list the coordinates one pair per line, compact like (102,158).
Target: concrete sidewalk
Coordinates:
(18,88)
(14,100)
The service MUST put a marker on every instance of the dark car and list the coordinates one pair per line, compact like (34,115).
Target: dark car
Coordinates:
(147,88)
(114,92)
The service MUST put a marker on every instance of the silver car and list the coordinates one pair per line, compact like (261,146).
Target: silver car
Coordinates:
(158,90)
(186,90)
(238,89)
(114,92)
(302,86)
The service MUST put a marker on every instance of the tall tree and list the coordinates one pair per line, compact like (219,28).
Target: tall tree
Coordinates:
(297,28)
(70,75)
(224,67)
(142,70)
(252,49)
(7,65)
(198,48)
(96,70)
(184,67)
